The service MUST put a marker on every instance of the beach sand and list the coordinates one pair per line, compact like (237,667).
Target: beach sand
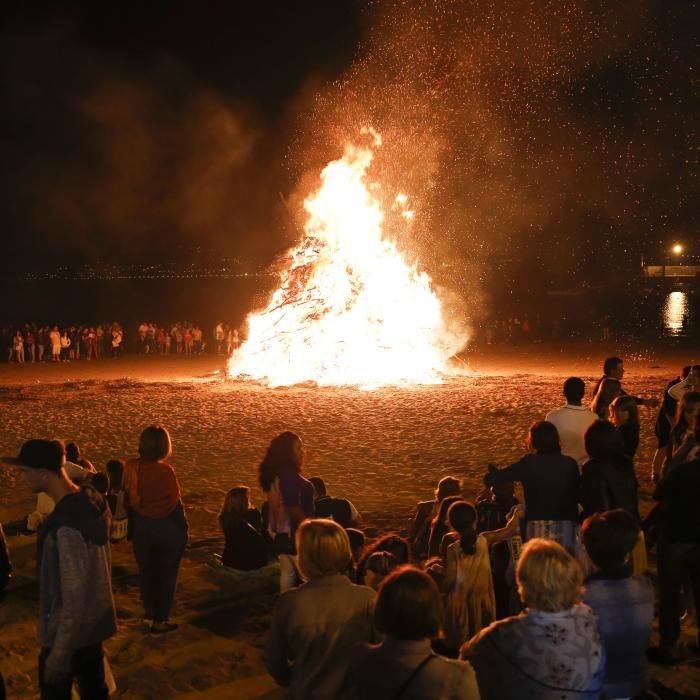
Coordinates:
(383,449)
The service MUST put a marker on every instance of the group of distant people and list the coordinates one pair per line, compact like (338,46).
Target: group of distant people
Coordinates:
(31,343)
(185,338)
(490,598)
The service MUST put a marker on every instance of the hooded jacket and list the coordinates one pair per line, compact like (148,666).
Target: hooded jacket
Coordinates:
(538,654)
(75,584)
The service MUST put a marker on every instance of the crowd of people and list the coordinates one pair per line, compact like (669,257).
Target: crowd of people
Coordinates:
(522,329)
(488,597)
(35,343)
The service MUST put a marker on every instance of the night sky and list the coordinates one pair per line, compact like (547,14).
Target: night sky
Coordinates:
(539,141)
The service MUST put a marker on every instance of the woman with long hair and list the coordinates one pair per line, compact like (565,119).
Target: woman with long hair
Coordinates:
(244,547)
(471,604)
(624,415)
(439,527)
(159,525)
(290,499)
(550,481)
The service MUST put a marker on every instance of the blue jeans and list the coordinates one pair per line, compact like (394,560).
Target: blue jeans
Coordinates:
(86,669)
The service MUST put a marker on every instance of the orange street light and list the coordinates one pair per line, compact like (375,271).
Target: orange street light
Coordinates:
(678,249)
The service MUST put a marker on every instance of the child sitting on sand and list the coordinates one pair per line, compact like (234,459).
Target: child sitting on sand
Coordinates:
(471,604)
(245,547)
(397,546)
(116,499)
(379,566)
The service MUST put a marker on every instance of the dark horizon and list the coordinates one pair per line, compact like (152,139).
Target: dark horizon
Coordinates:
(549,145)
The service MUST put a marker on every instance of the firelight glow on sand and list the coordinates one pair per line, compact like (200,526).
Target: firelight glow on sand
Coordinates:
(348,310)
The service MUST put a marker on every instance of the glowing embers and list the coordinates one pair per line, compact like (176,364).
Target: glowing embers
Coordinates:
(349,310)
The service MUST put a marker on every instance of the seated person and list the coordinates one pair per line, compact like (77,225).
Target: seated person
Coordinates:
(357,543)
(378,567)
(624,603)
(419,532)
(245,548)
(395,545)
(116,500)
(357,547)
(99,482)
(340,510)
(539,653)
(73,455)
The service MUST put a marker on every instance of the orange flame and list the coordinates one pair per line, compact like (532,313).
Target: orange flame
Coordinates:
(349,310)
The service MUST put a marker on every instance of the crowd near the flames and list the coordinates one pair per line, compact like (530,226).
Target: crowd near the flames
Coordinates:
(31,343)
(487,596)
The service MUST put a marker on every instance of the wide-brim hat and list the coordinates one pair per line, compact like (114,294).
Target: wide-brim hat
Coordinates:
(40,454)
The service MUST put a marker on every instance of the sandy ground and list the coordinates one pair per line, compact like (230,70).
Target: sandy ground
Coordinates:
(383,449)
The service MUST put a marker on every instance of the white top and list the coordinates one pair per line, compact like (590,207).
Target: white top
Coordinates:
(572,423)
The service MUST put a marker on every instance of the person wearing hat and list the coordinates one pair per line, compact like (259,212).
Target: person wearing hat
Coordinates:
(44,502)
(76,606)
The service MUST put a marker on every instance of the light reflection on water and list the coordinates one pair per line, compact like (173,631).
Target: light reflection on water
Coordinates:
(675,313)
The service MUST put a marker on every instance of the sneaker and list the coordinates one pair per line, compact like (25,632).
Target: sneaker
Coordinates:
(163,627)
(663,656)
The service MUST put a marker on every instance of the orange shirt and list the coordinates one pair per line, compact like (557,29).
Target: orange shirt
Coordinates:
(152,488)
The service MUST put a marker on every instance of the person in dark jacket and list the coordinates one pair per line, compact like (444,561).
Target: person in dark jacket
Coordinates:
(341,510)
(678,553)
(624,415)
(550,481)
(76,607)
(609,386)
(245,547)
(608,480)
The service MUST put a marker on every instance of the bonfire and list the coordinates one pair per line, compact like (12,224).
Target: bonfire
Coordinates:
(349,309)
